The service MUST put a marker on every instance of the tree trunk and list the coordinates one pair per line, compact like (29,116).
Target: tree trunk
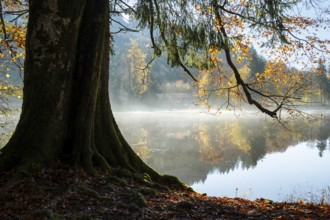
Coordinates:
(66,112)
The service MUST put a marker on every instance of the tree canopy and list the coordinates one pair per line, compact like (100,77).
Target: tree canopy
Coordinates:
(194,33)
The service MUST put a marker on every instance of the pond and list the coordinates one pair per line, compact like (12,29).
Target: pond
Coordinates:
(235,156)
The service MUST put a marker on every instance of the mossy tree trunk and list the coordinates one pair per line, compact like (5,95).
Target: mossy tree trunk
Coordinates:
(66,112)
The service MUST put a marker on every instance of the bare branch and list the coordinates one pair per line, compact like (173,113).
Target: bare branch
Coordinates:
(18,14)
(6,39)
(124,27)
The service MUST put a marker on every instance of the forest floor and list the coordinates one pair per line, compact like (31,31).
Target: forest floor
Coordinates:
(60,192)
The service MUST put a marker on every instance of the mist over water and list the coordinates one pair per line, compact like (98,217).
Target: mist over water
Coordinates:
(241,154)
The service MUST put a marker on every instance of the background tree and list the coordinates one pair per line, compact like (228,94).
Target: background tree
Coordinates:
(138,80)
(323,82)
(257,64)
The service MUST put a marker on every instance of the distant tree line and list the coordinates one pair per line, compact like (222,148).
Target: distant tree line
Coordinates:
(135,79)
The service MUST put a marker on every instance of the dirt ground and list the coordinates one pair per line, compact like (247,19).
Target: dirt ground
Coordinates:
(60,192)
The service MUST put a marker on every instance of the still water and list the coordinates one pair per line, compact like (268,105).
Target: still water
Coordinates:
(229,156)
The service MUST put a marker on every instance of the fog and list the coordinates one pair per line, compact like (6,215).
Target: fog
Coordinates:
(233,153)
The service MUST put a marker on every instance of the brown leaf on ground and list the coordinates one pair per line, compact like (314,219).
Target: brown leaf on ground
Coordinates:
(61,192)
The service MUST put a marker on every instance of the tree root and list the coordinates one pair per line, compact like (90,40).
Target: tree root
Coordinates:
(89,191)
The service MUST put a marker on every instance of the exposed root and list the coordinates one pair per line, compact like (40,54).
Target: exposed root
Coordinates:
(89,191)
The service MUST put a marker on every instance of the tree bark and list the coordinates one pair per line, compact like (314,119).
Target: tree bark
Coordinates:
(66,112)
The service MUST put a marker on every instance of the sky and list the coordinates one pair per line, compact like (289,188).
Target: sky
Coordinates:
(304,9)
(323,32)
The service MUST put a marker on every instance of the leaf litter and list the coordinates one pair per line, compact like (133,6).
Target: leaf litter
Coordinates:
(62,192)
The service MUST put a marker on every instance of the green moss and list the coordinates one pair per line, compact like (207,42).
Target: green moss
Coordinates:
(146,177)
(118,180)
(135,197)
(92,192)
(109,188)
(147,191)
(171,180)
(139,199)
(128,206)
(122,173)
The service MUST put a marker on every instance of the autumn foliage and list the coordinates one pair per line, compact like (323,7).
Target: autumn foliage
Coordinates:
(216,37)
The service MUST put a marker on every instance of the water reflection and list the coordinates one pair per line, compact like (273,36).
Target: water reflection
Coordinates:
(191,146)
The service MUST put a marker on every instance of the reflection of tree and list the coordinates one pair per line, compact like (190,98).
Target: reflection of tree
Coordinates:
(257,142)
(139,143)
(322,136)
(239,136)
(208,152)
(321,145)
(190,149)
